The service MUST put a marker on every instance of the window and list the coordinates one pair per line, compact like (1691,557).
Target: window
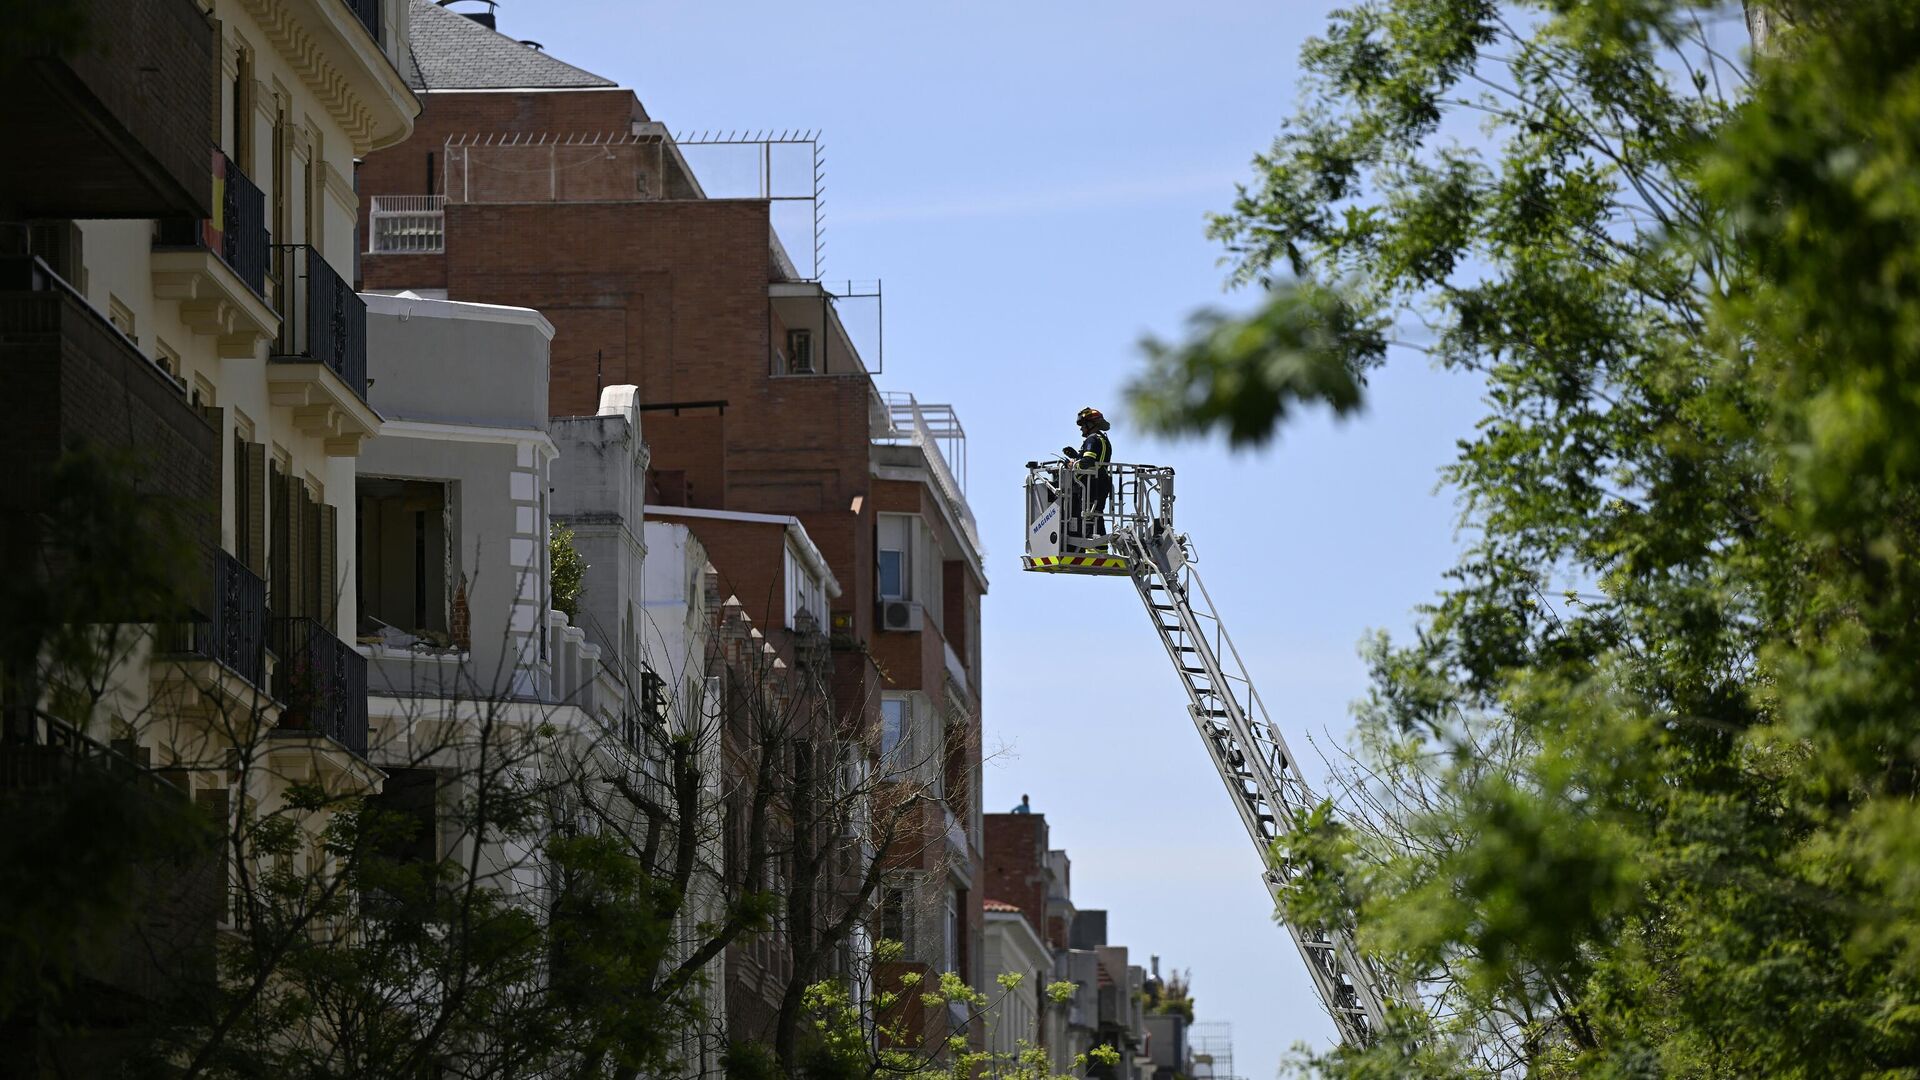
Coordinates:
(408,832)
(896,556)
(653,698)
(242,118)
(167,358)
(405,560)
(249,505)
(312,174)
(301,557)
(973,638)
(950,921)
(806,596)
(893,914)
(895,714)
(121,316)
(800,352)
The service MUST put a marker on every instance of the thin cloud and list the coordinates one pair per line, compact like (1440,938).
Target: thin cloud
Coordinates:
(1027,202)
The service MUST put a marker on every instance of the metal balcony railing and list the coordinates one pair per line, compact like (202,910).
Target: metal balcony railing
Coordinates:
(168,952)
(322,320)
(238,230)
(233,630)
(37,751)
(321,681)
(407,225)
(936,430)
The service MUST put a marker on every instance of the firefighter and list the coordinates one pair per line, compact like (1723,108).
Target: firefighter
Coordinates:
(1092,485)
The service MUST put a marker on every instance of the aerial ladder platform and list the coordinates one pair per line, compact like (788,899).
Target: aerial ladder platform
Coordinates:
(1130,533)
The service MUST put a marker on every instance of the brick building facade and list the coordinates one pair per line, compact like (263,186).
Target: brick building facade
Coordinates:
(693,300)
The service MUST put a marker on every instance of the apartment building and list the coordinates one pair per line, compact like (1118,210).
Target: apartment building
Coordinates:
(176,316)
(646,600)
(1108,1007)
(531,182)
(467,659)
(1013,948)
(475,677)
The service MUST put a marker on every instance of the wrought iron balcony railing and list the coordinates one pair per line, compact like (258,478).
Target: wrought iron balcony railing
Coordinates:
(238,230)
(321,681)
(322,320)
(233,629)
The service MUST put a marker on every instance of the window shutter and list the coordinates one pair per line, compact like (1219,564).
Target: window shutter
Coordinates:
(214,802)
(329,556)
(218,74)
(212,523)
(256,523)
(309,552)
(295,532)
(279,589)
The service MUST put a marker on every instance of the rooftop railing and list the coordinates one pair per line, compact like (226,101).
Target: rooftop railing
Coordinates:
(936,430)
(407,225)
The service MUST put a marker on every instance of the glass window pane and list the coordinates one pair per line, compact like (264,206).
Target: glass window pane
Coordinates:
(893,724)
(892,565)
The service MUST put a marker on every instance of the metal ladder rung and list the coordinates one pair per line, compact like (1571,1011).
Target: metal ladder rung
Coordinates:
(1238,735)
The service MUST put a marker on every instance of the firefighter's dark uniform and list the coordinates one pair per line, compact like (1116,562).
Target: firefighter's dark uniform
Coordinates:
(1092,484)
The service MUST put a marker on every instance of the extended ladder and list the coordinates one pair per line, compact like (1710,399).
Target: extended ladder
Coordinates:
(1246,747)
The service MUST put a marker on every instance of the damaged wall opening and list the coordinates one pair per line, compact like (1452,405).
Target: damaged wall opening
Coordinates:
(405,561)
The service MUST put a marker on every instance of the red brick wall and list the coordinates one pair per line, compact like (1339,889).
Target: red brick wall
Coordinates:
(403,169)
(1016,865)
(695,444)
(750,557)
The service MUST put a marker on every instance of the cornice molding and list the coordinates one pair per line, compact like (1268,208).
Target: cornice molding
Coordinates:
(295,41)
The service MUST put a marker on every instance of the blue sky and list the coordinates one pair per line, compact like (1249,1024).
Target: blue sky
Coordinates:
(1031,183)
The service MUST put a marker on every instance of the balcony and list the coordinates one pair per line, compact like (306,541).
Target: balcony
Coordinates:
(232,631)
(407,225)
(114,121)
(319,365)
(78,382)
(899,419)
(321,681)
(51,776)
(216,267)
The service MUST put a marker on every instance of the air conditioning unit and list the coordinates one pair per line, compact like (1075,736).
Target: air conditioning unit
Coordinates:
(901,615)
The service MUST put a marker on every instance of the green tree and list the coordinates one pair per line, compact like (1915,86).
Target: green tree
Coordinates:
(568,571)
(851,1038)
(1637,799)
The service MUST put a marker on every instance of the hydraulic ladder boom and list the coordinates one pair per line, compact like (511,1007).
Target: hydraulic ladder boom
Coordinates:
(1133,535)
